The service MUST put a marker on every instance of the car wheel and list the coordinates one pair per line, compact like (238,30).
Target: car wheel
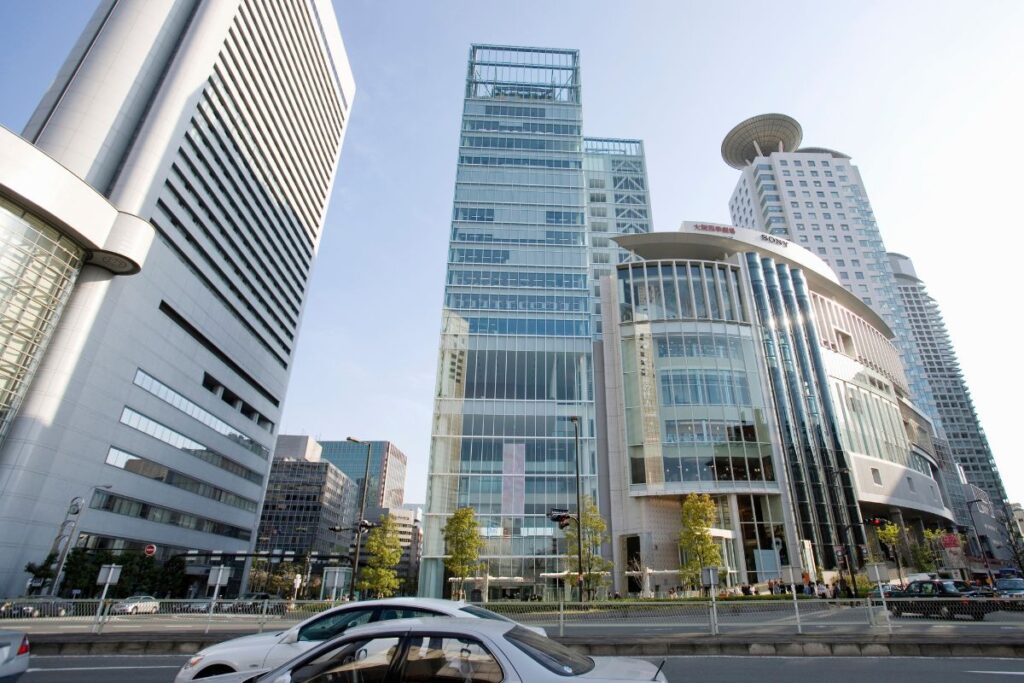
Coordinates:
(215,670)
(62,612)
(133,610)
(978,616)
(946,613)
(896,612)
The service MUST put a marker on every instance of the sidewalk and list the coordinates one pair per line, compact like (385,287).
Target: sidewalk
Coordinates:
(759,645)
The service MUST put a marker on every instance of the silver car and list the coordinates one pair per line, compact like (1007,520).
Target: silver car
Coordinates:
(447,649)
(13,655)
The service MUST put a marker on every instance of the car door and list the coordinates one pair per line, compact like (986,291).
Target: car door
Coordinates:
(361,660)
(456,658)
(316,631)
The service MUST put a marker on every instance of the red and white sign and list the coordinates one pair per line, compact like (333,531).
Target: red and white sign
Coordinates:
(950,541)
(150,550)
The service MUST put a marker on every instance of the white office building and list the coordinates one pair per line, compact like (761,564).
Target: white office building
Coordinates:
(196,142)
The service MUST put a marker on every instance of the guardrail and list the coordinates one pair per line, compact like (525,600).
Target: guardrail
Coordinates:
(735,615)
(753,615)
(202,613)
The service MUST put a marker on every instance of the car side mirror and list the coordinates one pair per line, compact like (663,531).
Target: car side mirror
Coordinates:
(290,637)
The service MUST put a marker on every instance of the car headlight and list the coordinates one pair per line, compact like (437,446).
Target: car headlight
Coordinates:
(194,662)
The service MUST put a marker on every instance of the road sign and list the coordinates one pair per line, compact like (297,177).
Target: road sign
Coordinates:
(109,575)
(150,550)
(219,576)
(558,511)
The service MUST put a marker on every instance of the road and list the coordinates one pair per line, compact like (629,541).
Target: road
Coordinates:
(161,669)
(777,618)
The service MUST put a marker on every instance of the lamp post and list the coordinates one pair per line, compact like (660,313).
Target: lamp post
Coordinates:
(579,504)
(360,522)
(76,510)
(984,555)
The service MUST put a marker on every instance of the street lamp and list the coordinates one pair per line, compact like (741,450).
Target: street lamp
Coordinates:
(76,509)
(360,523)
(579,504)
(846,528)
(984,555)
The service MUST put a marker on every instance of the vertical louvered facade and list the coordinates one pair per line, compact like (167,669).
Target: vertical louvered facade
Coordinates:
(220,122)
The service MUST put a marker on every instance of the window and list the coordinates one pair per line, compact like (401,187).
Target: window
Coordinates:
(449,658)
(876,476)
(551,655)
(334,624)
(359,661)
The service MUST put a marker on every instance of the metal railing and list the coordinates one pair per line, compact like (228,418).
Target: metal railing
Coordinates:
(783,614)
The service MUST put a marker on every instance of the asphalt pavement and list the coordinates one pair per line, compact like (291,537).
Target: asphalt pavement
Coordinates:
(162,668)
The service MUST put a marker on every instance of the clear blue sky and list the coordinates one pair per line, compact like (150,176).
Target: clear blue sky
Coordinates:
(925,96)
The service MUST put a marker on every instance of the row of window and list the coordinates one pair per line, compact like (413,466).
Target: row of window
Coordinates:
(140,422)
(540,144)
(491,278)
(129,507)
(530,327)
(522,127)
(165,393)
(519,161)
(152,470)
(680,290)
(704,387)
(515,302)
(531,237)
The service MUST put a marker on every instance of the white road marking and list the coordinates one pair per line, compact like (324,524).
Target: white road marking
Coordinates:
(104,668)
(998,673)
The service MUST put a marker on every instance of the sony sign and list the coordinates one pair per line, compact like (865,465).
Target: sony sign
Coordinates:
(772,239)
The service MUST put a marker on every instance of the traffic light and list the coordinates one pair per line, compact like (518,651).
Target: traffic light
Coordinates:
(561,516)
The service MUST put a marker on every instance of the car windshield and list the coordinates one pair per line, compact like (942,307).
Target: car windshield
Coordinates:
(551,655)
(951,586)
(1010,584)
(482,613)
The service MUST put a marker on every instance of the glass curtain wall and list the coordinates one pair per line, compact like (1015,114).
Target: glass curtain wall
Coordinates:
(38,267)
(515,359)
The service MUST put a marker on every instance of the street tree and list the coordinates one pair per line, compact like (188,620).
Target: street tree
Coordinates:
(384,551)
(43,572)
(699,548)
(594,532)
(890,534)
(462,544)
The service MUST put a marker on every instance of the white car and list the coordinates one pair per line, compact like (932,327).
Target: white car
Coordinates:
(136,604)
(13,655)
(447,649)
(267,650)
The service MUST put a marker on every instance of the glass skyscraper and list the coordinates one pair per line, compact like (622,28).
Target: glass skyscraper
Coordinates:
(516,353)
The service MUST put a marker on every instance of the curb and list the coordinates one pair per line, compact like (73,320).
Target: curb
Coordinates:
(794,646)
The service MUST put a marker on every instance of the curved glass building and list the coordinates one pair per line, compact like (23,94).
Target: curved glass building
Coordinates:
(739,366)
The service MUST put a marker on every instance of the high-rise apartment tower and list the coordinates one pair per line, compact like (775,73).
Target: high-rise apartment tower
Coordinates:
(953,403)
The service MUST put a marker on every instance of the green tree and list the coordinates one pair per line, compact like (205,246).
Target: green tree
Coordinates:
(594,533)
(384,550)
(462,544)
(43,571)
(699,548)
(81,570)
(891,535)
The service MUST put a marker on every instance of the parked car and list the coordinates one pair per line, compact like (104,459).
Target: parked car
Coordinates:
(268,650)
(973,589)
(136,604)
(889,588)
(939,598)
(252,603)
(14,655)
(448,649)
(1010,590)
(32,607)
